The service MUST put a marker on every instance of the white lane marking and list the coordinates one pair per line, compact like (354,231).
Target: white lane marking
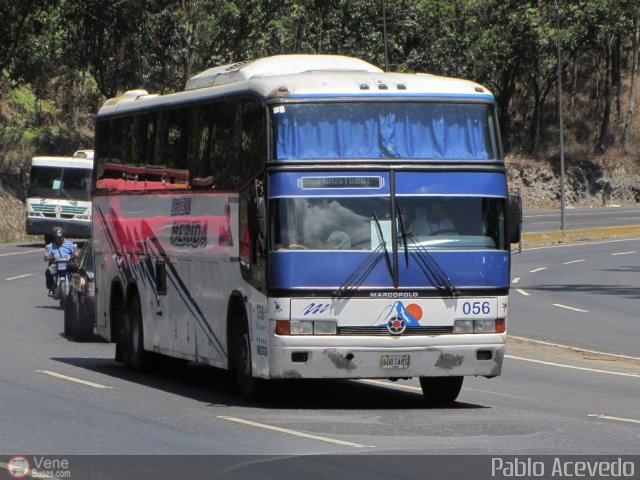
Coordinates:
(400,386)
(573,309)
(580,244)
(574,367)
(537,269)
(411,388)
(295,432)
(569,347)
(21,253)
(19,276)
(30,473)
(618,419)
(522,292)
(72,379)
(573,261)
(623,253)
(515,280)
(545,223)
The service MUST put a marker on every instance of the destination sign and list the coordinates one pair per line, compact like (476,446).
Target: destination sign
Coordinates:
(341,182)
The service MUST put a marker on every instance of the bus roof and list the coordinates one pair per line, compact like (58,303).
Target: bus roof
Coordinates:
(67,162)
(303,76)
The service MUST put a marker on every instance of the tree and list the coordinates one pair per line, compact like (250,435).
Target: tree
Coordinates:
(626,136)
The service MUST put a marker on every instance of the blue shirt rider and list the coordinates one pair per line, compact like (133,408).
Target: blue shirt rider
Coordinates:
(59,248)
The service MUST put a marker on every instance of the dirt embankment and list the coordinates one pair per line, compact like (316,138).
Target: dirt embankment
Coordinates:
(12,210)
(587,183)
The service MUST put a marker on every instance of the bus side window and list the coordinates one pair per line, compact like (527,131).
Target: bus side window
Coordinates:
(171,139)
(198,152)
(223,148)
(252,146)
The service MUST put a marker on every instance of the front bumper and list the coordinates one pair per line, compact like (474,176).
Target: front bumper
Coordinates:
(446,355)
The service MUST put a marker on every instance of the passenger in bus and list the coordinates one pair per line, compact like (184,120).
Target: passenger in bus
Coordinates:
(430,219)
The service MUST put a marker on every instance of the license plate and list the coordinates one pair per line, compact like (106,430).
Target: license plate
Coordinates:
(395,361)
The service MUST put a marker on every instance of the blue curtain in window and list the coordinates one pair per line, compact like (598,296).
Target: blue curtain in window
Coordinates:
(380,130)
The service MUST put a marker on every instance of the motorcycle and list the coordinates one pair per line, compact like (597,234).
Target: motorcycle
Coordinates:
(60,272)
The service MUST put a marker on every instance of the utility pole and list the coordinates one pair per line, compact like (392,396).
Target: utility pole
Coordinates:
(384,34)
(560,119)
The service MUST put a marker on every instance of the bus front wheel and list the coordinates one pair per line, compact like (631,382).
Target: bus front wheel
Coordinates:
(441,390)
(250,387)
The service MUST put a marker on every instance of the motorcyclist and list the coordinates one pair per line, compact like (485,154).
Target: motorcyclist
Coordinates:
(59,248)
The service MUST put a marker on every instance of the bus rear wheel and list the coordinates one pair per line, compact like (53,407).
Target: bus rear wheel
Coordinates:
(135,355)
(441,391)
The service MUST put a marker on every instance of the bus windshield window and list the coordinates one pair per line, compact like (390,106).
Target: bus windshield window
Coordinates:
(454,222)
(418,130)
(60,182)
(329,223)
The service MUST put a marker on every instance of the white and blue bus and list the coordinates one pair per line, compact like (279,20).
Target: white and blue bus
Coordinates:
(270,220)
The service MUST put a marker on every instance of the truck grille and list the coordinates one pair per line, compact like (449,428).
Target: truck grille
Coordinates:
(69,210)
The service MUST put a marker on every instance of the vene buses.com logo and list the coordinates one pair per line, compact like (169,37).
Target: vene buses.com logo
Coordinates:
(18,467)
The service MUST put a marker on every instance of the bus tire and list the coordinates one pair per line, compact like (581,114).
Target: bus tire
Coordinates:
(135,356)
(68,319)
(82,324)
(441,390)
(250,387)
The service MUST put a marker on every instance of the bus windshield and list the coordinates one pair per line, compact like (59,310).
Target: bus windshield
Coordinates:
(60,182)
(377,130)
(327,223)
(348,223)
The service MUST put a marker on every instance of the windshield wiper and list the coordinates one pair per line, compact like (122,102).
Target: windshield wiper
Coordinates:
(429,266)
(403,233)
(387,258)
(360,274)
(363,270)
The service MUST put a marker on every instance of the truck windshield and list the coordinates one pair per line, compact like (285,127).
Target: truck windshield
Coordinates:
(377,130)
(60,182)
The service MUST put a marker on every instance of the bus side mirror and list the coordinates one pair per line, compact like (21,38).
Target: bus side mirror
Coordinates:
(515,218)
(261,212)
(258,210)
(257,217)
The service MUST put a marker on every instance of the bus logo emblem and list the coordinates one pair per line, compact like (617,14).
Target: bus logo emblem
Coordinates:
(396,325)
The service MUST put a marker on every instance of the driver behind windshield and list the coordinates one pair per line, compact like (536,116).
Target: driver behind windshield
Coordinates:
(431,219)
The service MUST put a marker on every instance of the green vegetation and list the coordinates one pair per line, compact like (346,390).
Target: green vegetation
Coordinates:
(60,59)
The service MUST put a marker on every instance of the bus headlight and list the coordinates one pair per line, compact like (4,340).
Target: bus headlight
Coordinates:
(301,328)
(325,328)
(306,327)
(463,326)
(483,325)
